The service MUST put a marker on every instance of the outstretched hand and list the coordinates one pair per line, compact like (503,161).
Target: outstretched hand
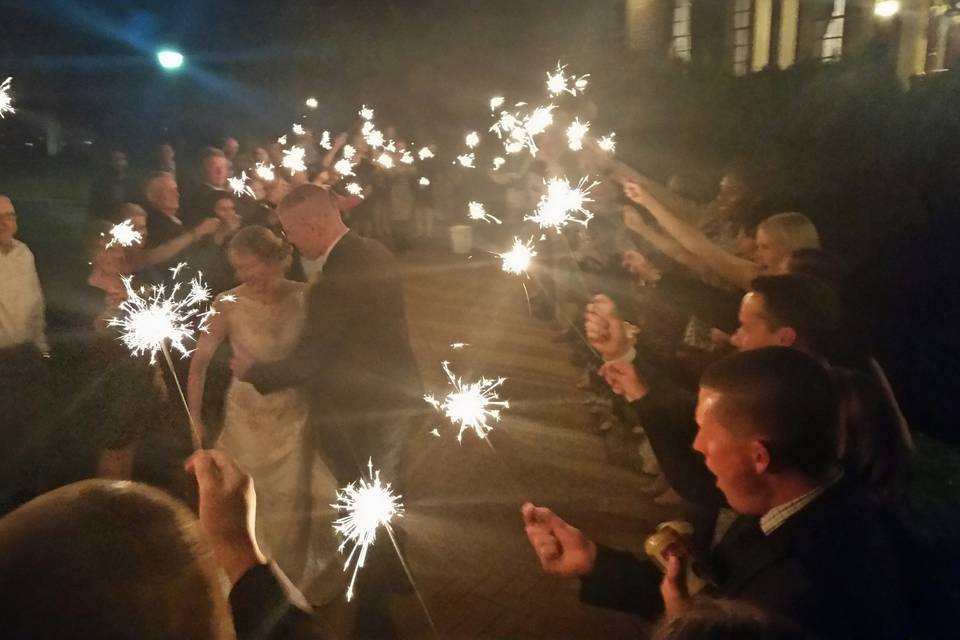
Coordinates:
(563,550)
(605,330)
(623,380)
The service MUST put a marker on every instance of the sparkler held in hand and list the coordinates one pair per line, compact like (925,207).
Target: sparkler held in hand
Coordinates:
(470,404)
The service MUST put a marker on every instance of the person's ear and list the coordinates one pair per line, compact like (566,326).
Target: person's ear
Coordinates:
(786,336)
(759,457)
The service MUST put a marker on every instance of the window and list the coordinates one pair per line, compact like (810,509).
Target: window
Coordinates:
(742,10)
(681,44)
(832,44)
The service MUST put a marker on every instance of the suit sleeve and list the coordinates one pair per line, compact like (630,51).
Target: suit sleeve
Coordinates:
(266,606)
(666,414)
(621,580)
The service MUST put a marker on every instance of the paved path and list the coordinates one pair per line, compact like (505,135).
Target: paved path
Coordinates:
(466,544)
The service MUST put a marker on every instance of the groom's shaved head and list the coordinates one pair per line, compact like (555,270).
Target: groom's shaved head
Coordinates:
(308,200)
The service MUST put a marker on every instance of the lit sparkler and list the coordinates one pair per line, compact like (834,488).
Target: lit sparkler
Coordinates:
(498,162)
(367,504)
(466,160)
(265,172)
(6,98)
(385,160)
(424,182)
(496,103)
(561,204)
(366,113)
(239,186)
(518,259)
(344,167)
(349,151)
(458,345)
(607,143)
(518,130)
(367,128)
(406,157)
(470,405)
(391,146)
(298,129)
(425,153)
(312,103)
(575,134)
(354,189)
(472,139)
(476,211)
(124,235)
(293,159)
(375,138)
(558,82)
(282,139)
(325,141)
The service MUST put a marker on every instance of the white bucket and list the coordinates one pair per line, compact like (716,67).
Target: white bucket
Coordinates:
(461,238)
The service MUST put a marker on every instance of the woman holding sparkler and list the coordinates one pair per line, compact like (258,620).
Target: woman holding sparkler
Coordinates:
(267,433)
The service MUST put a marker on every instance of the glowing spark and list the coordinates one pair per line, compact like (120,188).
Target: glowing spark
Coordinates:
(152,318)
(518,130)
(175,271)
(472,139)
(391,146)
(265,172)
(575,133)
(367,504)
(459,345)
(471,404)
(293,159)
(6,98)
(424,182)
(559,82)
(496,103)
(498,162)
(344,167)
(354,189)
(239,185)
(607,143)
(349,152)
(367,128)
(561,203)
(466,160)
(312,103)
(374,138)
(385,160)
(435,432)
(513,147)
(228,297)
(298,130)
(406,158)
(282,139)
(366,113)
(539,120)
(476,211)
(425,153)
(325,141)
(518,259)
(124,235)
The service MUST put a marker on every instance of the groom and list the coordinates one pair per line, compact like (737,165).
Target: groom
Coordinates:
(354,359)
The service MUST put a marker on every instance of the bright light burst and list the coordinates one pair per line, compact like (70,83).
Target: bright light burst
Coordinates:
(518,259)
(367,128)
(385,160)
(561,204)
(265,172)
(472,139)
(374,138)
(518,130)
(607,143)
(425,153)
(349,151)
(298,129)
(470,404)
(282,139)
(354,189)
(406,157)
(558,82)
(239,186)
(476,211)
(575,134)
(312,103)
(325,141)
(6,98)
(424,182)
(496,103)
(367,504)
(344,167)
(293,159)
(366,113)
(498,162)
(466,160)
(124,235)
(151,318)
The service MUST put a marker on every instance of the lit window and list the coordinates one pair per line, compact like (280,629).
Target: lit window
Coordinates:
(832,45)
(681,44)
(742,10)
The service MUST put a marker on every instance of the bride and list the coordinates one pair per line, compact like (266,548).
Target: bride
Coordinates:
(267,434)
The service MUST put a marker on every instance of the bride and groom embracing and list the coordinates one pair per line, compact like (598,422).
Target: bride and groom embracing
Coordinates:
(323,379)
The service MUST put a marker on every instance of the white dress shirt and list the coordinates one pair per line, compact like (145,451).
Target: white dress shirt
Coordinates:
(312,268)
(21,299)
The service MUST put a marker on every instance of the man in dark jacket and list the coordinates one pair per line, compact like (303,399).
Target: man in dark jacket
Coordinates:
(806,543)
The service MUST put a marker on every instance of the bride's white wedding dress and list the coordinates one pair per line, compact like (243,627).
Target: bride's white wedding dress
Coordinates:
(268,435)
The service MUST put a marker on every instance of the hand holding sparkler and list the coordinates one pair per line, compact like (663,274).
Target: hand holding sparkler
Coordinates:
(563,550)
(605,330)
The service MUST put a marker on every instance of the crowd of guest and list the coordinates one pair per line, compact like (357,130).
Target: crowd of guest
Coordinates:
(720,335)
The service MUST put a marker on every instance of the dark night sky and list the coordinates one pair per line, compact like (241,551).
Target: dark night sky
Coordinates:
(425,63)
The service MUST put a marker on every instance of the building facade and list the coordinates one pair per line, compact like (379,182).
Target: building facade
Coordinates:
(744,36)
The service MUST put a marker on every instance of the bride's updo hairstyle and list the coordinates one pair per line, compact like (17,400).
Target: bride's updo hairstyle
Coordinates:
(263,244)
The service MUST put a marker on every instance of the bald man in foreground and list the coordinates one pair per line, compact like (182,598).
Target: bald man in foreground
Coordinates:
(356,366)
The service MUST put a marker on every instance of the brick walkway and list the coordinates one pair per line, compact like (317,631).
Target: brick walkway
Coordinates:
(466,546)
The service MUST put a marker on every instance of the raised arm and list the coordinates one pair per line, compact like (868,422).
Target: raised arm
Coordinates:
(207,346)
(735,270)
(662,242)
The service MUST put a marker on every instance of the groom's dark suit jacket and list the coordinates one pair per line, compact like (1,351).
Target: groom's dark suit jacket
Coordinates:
(354,358)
